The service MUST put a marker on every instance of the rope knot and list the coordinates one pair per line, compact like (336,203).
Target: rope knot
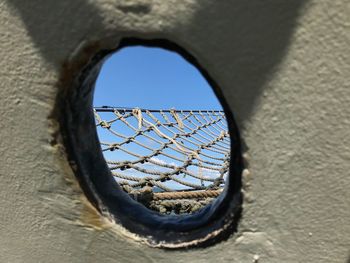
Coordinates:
(105,124)
(114,146)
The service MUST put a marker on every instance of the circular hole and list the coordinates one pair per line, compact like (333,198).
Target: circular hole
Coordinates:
(74,111)
(166,149)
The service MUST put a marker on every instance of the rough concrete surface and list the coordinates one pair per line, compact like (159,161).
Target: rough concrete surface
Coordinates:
(284,69)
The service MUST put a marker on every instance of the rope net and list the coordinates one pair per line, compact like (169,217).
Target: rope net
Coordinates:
(172,161)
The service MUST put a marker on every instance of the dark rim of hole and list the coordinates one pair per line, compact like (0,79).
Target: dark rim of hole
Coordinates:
(73,111)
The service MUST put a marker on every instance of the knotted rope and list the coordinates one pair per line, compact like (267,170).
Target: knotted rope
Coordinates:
(172,166)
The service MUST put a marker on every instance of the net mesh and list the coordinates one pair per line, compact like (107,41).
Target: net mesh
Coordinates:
(172,161)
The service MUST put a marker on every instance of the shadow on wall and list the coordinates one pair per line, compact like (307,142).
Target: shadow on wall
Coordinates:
(57,27)
(257,34)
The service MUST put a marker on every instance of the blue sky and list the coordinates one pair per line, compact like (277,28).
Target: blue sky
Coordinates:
(152,78)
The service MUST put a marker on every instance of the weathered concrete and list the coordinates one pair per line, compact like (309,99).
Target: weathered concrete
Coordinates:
(284,69)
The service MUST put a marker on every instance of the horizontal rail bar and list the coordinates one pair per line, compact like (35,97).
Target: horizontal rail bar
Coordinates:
(112,109)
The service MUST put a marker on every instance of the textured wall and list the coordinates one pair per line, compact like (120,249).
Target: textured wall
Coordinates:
(284,68)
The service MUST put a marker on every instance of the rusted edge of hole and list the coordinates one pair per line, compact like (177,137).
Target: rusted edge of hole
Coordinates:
(73,111)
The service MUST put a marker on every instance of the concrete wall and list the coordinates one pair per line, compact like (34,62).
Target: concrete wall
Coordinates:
(284,68)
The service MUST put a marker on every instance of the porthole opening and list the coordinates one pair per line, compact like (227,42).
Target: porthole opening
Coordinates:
(162,130)
(76,115)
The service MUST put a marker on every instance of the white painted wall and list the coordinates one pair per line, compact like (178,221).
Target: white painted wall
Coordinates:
(284,67)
